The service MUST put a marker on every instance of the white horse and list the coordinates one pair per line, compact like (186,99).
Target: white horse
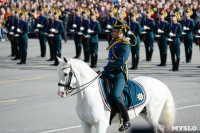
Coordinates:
(91,109)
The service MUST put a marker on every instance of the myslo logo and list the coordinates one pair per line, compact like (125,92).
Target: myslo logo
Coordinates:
(184,128)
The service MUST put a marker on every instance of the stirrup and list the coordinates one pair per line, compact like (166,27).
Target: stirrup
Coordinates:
(125,126)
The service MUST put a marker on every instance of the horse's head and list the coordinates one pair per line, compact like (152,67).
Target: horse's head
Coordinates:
(67,77)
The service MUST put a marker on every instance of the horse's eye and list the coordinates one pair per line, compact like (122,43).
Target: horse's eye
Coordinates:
(65,74)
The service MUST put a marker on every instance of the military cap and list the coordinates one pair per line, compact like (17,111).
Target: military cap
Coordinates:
(86,11)
(164,13)
(135,14)
(177,15)
(95,13)
(150,11)
(190,11)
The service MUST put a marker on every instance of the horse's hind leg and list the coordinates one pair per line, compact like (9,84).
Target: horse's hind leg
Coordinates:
(153,115)
(101,127)
(87,128)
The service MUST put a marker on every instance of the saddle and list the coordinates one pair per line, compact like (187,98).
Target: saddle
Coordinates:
(133,95)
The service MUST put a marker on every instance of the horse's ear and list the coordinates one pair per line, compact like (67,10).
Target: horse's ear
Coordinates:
(59,59)
(66,61)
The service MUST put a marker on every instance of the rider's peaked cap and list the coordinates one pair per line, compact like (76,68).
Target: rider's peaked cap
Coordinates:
(121,25)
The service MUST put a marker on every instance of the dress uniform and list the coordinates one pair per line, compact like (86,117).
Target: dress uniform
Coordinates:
(16,35)
(94,31)
(188,28)
(197,35)
(175,34)
(85,38)
(75,25)
(109,23)
(9,24)
(58,31)
(135,27)
(50,35)
(40,24)
(119,51)
(162,31)
(149,25)
(23,30)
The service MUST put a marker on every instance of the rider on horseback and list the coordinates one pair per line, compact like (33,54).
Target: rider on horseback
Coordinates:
(116,68)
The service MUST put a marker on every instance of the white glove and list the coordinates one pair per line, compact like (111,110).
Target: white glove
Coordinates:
(13,27)
(109,26)
(18,30)
(53,30)
(185,28)
(42,26)
(36,30)
(171,34)
(129,32)
(74,25)
(11,33)
(145,27)
(38,25)
(82,28)
(101,69)
(90,31)
(199,31)
(160,31)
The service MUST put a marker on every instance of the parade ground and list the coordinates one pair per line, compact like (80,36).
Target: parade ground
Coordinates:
(28,93)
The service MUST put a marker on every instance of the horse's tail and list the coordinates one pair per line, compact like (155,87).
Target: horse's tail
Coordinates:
(169,112)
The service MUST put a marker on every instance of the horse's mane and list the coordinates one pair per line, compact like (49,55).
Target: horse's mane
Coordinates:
(81,66)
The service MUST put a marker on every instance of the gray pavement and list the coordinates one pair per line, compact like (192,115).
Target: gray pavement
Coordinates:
(28,93)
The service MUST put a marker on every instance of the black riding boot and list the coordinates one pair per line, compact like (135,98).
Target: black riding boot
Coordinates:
(173,64)
(24,58)
(177,64)
(136,62)
(150,54)
(87,54)
(125,116)
(95,60)
(189,56)
(92,60)
(78,52)
(133,62)
(164,59)
(56,60)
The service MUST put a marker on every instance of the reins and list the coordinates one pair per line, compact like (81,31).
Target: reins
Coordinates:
(71,89)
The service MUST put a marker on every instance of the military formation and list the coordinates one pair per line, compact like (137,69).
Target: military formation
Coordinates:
(85,25)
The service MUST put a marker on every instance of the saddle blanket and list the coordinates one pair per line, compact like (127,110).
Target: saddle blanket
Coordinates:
(137,93)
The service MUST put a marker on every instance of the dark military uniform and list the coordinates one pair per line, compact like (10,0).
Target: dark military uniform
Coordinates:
(23,41)
(77,37)
(94,40)
(162,40)
(188,38)
(9,24)
(58,26)
(149,37)
(197,33)
(42,37)
(109,21)
(175,45)
(85,40)
(135,27)
(50,36)
(16,39)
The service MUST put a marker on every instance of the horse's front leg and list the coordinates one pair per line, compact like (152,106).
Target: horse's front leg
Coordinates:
(87,128)
(101,127)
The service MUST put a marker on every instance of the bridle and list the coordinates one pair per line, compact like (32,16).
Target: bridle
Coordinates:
(70,89)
